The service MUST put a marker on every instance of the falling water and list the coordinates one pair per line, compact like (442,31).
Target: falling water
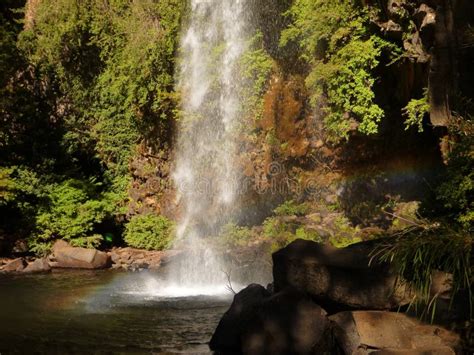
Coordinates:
(205,174)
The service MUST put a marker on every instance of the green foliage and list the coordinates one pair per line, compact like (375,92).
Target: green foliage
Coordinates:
(274,227)
(343,241)
(71,211)
(334,40)
(415,111)
(282,232)
(307,234)
(257,67)
(234,235)
(114,65)
(82,85)
(343,233)
(149,232)
(417,253)
(456,192)
(291,208)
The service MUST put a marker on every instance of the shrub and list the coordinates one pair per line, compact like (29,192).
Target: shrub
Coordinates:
(234,235)
(282,233)
(256,70)
(71,210)
(456,192)
(335,42)
(415,111)
(150,232)
(417,252)
(291,208)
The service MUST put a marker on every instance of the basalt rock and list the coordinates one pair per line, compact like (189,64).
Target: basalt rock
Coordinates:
(39,265)
(227,337)
(378,332)
(338,279)
(288,322)
(15,265)
(79,258)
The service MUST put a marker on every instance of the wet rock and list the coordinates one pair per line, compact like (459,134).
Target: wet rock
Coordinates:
(134,259)
(39,265)
(287,323)
(390,333)
(15,265)
(79,258)
(227,337)
(338,279)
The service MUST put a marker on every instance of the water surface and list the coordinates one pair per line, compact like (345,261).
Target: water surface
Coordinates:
(78,312)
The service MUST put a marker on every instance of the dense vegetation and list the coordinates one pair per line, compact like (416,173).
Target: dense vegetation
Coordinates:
(86,88)
(83,85)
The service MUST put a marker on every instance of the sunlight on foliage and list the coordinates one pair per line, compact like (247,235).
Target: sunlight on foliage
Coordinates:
(415,111)
(416,253)
(334,40)
(150,232)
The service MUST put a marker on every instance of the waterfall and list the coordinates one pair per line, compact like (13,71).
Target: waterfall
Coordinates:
(205,175)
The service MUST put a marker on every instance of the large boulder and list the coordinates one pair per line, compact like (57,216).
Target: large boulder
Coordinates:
(288,323)
(284,323)
(227,337)
(79,258)
(390,333)
(39,265)
(338,279)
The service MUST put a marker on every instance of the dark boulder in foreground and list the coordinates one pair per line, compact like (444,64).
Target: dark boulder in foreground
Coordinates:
(338,279)
(227,337)
(79,258)
(284,323)
(288,323)
(310,279)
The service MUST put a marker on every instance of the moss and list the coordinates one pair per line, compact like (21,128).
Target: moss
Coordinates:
(291,208)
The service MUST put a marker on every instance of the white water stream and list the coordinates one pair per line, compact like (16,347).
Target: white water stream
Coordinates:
(205,175)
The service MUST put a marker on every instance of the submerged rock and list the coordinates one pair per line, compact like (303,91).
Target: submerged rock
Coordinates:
(390,333)
(338,279)
(79,258)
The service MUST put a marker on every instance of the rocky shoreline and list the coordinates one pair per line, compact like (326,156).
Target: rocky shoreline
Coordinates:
(64,256)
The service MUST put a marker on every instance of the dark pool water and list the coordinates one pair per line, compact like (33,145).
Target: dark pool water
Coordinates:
(91,312)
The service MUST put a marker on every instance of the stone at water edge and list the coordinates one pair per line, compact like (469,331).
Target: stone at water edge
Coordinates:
(227,336)
(338,278)
(288,322)
(79,258)
(39,265)
(15,265)
(390,333)
(284,323)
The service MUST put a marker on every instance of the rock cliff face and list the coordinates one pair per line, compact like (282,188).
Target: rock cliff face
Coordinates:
(291,134)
